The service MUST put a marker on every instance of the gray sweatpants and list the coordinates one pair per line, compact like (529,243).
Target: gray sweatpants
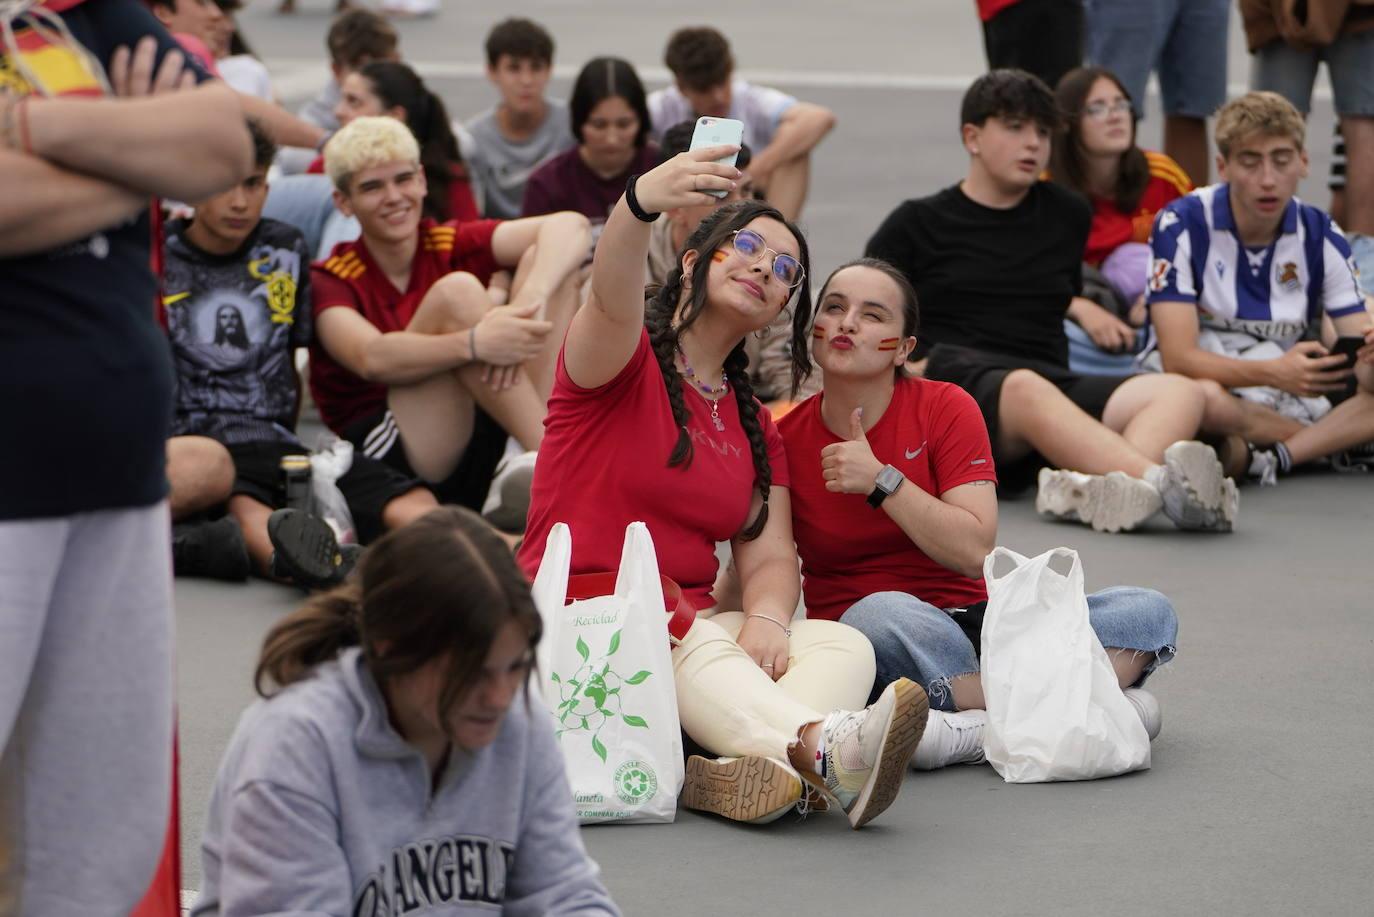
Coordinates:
(85,710)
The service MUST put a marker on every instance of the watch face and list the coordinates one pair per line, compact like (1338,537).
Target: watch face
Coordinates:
(889,479)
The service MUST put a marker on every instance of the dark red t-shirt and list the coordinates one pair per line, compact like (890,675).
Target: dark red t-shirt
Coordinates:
(349,278)
(1113,227)
(933,433)
(604,464)
(565,183)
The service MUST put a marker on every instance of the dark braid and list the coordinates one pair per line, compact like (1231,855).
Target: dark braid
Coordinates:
(737,371)
(658,319)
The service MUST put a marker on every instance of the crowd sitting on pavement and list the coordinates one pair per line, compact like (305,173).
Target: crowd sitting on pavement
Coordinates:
(492,315)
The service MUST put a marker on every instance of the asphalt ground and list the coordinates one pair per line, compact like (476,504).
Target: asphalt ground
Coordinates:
(1261,797)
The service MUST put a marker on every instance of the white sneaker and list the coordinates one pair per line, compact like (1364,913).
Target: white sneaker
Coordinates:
(508,498)
(951,738)
(1114,502)
(1197,494)
(866,751)
(1147,708)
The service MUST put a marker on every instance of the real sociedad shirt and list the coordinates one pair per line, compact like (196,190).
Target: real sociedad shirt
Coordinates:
(1273,292)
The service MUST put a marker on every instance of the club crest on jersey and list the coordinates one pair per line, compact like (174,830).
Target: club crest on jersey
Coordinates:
(1167,219)
(1288,276)
(1159,273)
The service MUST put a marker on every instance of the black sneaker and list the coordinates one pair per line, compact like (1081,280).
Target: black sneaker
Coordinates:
(210,549)
(306,553)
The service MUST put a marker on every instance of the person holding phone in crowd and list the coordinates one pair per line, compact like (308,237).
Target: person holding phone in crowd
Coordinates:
(396,761)
(894,507)
(653,418)
(1242,276)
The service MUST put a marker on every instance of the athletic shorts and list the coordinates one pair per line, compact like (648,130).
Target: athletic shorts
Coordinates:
(981,374)
(379,437)
(368,486)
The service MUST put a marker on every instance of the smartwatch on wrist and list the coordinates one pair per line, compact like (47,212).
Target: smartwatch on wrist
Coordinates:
(889,479)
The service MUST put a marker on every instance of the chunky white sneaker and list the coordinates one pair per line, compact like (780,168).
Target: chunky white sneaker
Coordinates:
(1147,708)
(508,498)
(951,738)
(751,789)
(1114,502)
(866,751)
(1196,492)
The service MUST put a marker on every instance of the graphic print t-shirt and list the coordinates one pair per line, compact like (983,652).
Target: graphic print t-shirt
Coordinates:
(83,365)
(234,322)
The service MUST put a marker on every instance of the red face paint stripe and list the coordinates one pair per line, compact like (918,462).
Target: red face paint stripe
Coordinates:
(719,256)
(818,333)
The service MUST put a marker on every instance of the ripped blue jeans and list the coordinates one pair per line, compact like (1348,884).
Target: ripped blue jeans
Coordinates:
(914,639)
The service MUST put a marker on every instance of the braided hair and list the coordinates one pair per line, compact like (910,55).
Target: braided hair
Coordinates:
(669,302)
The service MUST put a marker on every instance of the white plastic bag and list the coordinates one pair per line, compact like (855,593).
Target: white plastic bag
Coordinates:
(1055,710)
(329,462)
(608,680)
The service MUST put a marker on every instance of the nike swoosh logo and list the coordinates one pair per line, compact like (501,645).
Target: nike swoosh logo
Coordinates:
(913,453)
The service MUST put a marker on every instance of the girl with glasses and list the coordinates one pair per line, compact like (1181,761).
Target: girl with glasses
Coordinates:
(395,754)
(652,418)
(1097,156)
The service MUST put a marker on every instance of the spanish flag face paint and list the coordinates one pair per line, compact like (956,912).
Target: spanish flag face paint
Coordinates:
(889,343)
(818,334)
(720,255)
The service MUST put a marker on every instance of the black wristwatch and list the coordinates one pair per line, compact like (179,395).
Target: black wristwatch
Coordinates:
(889,479)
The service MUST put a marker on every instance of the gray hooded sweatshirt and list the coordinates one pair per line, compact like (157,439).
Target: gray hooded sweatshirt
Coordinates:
(321,808)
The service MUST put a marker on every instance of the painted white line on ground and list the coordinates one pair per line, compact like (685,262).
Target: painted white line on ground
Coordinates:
(296,76)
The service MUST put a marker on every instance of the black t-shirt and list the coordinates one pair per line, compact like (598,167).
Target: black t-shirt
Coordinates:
(996,280)
(235,322)
(84,371)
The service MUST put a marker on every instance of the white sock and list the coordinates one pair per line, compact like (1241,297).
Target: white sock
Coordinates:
(1155,476)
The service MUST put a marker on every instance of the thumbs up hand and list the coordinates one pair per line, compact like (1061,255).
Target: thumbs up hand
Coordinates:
(850,467)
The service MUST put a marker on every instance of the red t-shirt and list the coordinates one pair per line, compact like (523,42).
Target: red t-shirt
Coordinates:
(604,464)
(462,206)
(1113,227)
(989,8)
(349,278)
(933,433)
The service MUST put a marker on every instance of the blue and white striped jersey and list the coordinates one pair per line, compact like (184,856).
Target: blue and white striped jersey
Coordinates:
(1273,292)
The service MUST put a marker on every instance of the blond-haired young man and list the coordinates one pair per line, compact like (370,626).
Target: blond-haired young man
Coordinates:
(1242,275)
(412,361)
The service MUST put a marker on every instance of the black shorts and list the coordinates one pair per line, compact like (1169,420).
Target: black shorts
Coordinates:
(379,437)
(981,374)
(368,486)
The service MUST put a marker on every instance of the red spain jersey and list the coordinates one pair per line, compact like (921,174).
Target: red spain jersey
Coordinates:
(933,434)
(1113,227)
(350,279)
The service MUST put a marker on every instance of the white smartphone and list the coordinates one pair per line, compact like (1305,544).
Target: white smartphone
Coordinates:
(718,132)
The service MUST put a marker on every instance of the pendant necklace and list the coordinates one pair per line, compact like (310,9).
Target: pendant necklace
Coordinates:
(713,395)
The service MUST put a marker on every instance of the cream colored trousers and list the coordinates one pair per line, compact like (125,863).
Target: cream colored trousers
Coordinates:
(731,707)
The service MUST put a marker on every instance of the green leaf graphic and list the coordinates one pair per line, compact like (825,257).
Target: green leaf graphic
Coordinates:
(582,649)
(599,748)
(638,677)
(615,644)
(632,720)
(553,676)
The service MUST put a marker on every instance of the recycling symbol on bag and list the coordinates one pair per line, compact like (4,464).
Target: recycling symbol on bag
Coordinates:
(635,782)
(591,697)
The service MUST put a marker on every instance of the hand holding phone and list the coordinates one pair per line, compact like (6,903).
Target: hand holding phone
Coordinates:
(711,132)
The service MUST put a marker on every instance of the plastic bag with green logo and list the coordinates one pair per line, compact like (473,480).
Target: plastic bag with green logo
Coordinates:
(608,680)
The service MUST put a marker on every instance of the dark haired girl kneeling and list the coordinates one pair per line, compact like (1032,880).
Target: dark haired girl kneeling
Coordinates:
(398,764)
(652,418)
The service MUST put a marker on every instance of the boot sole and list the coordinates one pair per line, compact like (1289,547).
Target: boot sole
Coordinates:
(751,789)
(1199,470)
(1115,502)
(307,551)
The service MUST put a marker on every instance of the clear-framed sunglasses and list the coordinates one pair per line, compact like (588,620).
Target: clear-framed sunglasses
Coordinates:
(750,246)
